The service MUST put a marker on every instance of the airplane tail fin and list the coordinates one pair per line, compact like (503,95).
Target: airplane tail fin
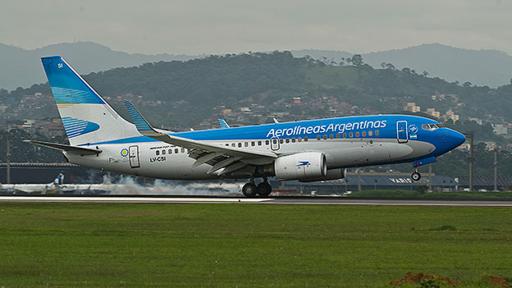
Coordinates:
(87,118)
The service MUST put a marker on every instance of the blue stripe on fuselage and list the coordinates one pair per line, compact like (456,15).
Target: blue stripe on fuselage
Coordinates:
(294,129)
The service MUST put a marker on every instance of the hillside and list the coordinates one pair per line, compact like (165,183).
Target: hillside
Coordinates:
(481,67)
(21,67)
(171,91)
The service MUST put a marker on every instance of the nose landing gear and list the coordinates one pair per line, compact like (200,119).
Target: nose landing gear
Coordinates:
(415,176)
(251,190)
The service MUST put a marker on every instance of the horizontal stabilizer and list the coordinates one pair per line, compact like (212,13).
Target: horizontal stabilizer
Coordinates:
(67,148)
(223,123)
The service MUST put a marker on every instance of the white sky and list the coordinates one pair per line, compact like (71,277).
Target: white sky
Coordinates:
(220,26)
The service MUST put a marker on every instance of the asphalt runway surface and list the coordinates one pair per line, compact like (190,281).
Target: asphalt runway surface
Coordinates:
(269,201)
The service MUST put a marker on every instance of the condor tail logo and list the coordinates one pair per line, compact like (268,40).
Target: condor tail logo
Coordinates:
(76,127)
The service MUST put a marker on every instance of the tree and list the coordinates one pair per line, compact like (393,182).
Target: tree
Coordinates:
(357,60)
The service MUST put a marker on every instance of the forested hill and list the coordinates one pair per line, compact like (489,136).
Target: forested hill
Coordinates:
(184,94)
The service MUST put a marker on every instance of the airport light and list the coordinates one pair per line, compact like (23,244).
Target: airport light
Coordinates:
(7,156)
(470,135)
(495,163)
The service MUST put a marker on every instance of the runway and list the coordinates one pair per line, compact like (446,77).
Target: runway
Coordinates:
(268,201)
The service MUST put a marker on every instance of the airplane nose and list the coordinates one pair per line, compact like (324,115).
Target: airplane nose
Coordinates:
(456,138)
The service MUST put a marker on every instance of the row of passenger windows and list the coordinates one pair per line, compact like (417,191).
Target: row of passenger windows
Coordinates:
(357,134)
(170,151)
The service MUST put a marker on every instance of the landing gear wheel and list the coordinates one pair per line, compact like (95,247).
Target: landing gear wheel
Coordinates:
(264,189)
(415,176)
(249,190)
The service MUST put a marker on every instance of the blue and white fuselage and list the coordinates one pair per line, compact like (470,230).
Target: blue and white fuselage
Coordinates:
(307,150)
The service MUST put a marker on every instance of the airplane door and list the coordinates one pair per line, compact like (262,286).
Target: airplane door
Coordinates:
(402,134)
(274,144)
(134,156)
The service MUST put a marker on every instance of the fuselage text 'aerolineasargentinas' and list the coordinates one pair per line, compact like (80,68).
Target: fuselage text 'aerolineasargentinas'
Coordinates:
(310,150)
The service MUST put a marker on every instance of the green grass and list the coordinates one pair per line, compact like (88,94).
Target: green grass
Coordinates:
(233,245)
(417,195)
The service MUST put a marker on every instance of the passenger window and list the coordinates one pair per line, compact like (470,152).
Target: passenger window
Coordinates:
(267,142)
(233,145)
(157,152)
(344,135)
(351,134)
(306,138)
(287,140)
(253,143)
(163,152)
(317,137)
(363,133)
(274,141)
(293,140)
(259,143)
(325,137)
(338,135)
(357,134)
(281,141)
(331,136)
(170,151)
(370,133)
(240,145)
(176,150)
(299,139)
(377,132)
(227,144)
(182,150)
(246,144)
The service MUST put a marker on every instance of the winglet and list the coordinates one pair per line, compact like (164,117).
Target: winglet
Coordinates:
(223,123)
(141,124)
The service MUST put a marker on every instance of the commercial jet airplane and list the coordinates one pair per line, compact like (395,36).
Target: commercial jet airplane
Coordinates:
(310,150)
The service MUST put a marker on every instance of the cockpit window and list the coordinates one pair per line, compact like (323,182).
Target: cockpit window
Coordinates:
(431,126)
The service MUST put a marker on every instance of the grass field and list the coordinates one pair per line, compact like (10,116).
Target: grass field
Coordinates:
(417,195)
(233,245)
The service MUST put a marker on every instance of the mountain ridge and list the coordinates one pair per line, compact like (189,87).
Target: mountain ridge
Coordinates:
(484,67)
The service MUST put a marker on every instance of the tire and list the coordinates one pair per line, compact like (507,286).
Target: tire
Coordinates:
(264,189)
(415,176)
(249,190)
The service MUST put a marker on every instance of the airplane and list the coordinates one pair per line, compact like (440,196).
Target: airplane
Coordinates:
(309,150)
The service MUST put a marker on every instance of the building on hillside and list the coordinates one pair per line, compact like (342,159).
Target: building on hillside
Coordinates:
(500,129)
(412,107)
(450,115)
(432,112)
(490,145)
(296,101)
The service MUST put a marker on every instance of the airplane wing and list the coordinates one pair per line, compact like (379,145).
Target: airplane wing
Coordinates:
(223,159)
(223,123)
(67,148)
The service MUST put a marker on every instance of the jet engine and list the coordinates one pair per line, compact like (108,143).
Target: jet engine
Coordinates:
(301,166)
(332,174)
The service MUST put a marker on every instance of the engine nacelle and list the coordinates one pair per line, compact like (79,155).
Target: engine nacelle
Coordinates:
(332,174)
(301,166)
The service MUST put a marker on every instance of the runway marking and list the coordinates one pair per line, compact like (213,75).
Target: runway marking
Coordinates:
(270,201)
(129,199)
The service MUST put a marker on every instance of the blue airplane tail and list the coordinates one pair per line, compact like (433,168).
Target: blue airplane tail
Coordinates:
(86,116)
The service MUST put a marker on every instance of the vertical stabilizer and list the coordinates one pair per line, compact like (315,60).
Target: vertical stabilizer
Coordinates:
(87,118)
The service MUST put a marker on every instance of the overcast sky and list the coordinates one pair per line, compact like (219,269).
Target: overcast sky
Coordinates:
(219,26)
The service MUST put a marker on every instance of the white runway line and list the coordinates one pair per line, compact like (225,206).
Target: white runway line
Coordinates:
(129,199)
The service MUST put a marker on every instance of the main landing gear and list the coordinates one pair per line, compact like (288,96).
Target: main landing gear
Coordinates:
(252,190)
(415,176)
